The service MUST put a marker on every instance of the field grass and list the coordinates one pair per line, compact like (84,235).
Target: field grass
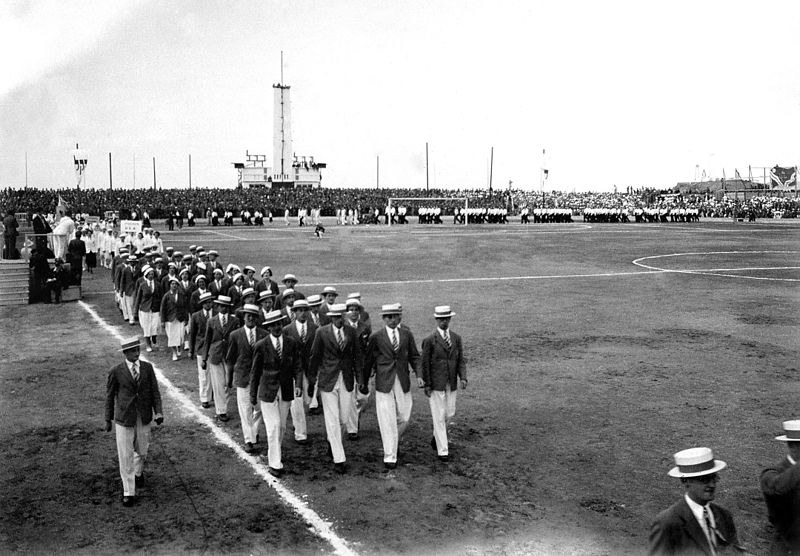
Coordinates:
(587,372)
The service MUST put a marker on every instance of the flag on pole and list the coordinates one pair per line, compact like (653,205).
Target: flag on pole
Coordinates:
(546,173)
(737,174)
(62,202)
(749,173)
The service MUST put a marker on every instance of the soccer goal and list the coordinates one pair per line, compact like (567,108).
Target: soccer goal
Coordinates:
(430,201)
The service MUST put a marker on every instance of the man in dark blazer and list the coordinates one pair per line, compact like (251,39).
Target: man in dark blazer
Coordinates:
(303,332)
(147,304)
(442,367)
(218,331)
(239,359)
(133,400)
(390,352)
(780,485)
(276,371)
(197,339)
(352,319)
(127,284)
(219,284)
(334,368)
(694,525)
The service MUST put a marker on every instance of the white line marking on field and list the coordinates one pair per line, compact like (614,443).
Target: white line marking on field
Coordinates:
(321,527)
(718,272)
(226,235)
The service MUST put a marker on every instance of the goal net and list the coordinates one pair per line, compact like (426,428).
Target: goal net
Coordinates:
(446,204)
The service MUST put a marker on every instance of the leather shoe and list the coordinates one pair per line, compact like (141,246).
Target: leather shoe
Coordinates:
(389,464)
(206,405)
(444,459)
(352,436)
(340,468)
(248,447)
(222,417)
(139,481)
(315,410)
(277,473)
(128,501)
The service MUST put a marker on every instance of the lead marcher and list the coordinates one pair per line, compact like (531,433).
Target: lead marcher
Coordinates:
(780,485)
(390,352)
(442,367)
(132,401)
(694,525)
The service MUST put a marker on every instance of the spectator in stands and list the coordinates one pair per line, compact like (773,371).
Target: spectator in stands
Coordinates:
(10,234)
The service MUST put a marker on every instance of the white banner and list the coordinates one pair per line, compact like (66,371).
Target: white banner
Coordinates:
(126,226)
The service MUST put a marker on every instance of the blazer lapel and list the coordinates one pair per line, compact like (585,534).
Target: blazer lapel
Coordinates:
(693,528)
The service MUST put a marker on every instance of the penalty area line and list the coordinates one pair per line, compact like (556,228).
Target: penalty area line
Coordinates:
(320,527)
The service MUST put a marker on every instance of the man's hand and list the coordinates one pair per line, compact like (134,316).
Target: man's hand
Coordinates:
(298,392)
(364,389)
(108,426)
(159,419)
(203,364)
(428,391)
(420,382)
(463,383)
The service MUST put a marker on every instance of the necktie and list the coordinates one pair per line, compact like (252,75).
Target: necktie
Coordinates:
(251,333)
(279,347)
(447,339)
(291,315)
(340,338)
(395,342)
(315,318)
(224,320)
(135,371)
(712,532)
(303,333)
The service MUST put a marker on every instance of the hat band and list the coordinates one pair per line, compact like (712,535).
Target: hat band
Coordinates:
(697,467)
(794,435)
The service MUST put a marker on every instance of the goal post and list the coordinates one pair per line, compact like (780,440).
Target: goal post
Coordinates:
(422,201)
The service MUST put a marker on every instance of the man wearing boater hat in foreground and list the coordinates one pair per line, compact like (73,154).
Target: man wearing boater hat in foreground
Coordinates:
(133,400)
(780,484)
(694,525)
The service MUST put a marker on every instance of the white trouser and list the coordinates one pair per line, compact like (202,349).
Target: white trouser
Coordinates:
(298,411)
(275,414)
(132,445)
(128,301)
(204,381)
(394,413)
(314,402)
(150,322)
(249,414)
(186,335)
(337,405)
(218,378)
(360,404)
(443,408)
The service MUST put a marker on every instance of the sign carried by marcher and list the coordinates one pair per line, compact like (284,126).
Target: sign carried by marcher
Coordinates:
(126,226)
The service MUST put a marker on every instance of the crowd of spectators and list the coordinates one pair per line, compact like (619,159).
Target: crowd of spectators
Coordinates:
(202,203)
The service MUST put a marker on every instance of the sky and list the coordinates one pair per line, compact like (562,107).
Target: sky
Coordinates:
(603,94)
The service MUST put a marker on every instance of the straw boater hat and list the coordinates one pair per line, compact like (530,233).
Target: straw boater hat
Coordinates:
(330,289)
(132,258)
(178,254)
(265,294)
(201,266)
(695,462)
(207,296)
(265,270)
(147,268)
(337,310)
(193,248)
(200,248)
(237,276)
(251,309)
(299,304)
(354,295)
(212,252)
(248,291)
(200,277)
(169,249)
(129,343)
(791,431)
(272,317)
(288,277)
(173,279)
(185,270)
(287,292)
(172,265)
(218,270)
(353,302)
(248,267)
(223,300)
(443,312)
(314,300)
(391,309)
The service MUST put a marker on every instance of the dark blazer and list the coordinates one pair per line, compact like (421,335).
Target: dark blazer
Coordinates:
(148,299)
(270,373)
(676,531)
(235,295)
(442,365)
(387,364)
(216,341)
(197,332)
(194,300)
(125,399)
(780,485)
(290,330)
(328,360)
(127,280)
(226,285)
(240,356)
(172,310)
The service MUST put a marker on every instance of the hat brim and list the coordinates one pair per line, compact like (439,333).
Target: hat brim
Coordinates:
(218,302)
(784,438)
(447,316)
(389,313)
(719,465)
(137,346)
(273,321)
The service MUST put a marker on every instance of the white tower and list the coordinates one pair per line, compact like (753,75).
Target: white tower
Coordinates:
(282,154)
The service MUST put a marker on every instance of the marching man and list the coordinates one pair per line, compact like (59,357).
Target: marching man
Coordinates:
(442,366)
(132,401)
